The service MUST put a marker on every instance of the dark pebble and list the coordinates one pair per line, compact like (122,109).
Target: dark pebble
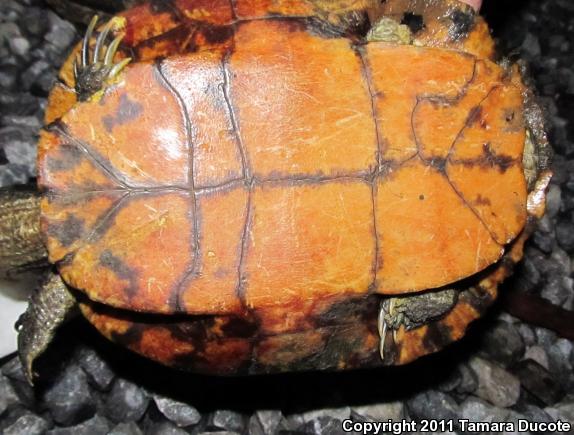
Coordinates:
(61,34)
(264,422)
(342,413)
(324,426)
(433,405)
(168,428)
(97,425)
(381,411)
(9,31)
(8,396)
(227,420)
(34,22)
(534,413)
(8,77)
(19,46)
(528,334)
(543,241)
(538,381)
(503,343)
(98,370)
(19,103)
(565,235)
(33,73)
(477,410)
(495,384)
(559,362)
(11,174)
(558,290)
(553,202)
(130,428)
(28,424)
(527,276)
(180,413)
(468,381)
(12,370)
(69,398)
(126,402)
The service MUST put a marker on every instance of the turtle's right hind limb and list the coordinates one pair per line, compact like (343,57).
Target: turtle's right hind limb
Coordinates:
(21,244)
(49,306)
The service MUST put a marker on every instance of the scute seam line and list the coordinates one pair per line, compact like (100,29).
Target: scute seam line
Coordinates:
(367,76)
(195,264)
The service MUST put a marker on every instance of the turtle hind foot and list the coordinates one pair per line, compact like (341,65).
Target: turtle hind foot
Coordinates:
(49,306)
(21,242)
(95,66)
(412,312)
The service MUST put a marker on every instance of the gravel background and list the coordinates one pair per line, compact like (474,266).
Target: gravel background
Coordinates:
(503,371)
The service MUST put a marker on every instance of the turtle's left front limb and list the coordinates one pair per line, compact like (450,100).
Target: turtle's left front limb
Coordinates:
(49,306)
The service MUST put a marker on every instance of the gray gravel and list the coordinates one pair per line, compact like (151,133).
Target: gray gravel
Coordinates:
(503,371)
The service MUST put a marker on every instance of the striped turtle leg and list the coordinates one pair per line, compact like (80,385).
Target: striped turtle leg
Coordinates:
(95,66)
(21,246)
(49,306)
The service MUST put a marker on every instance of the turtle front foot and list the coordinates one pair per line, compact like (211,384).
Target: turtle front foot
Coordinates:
(412,312)
(94,67)
(48,307)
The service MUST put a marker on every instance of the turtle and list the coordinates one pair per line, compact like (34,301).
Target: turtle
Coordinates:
(239,187)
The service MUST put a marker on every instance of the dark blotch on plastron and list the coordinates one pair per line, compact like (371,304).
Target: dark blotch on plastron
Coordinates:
(120,269)
(438,163)
(462,24)
(478,298)
(68,231)
(195,331)
(488,159)
(239,328)
(343,343)
(501,161)
(193,361)
(437,336)
(348,311)
(474,116)
(66,159)
(480,200)
(161,6)
(217,34)
(130,337)
(353,25)
(128,110)
(414,22)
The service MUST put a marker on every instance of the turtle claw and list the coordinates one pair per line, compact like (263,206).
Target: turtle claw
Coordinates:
(100,42)
(382,327)
(96,66)
(112,49)
(386,322)
(86,41)
(118,67)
